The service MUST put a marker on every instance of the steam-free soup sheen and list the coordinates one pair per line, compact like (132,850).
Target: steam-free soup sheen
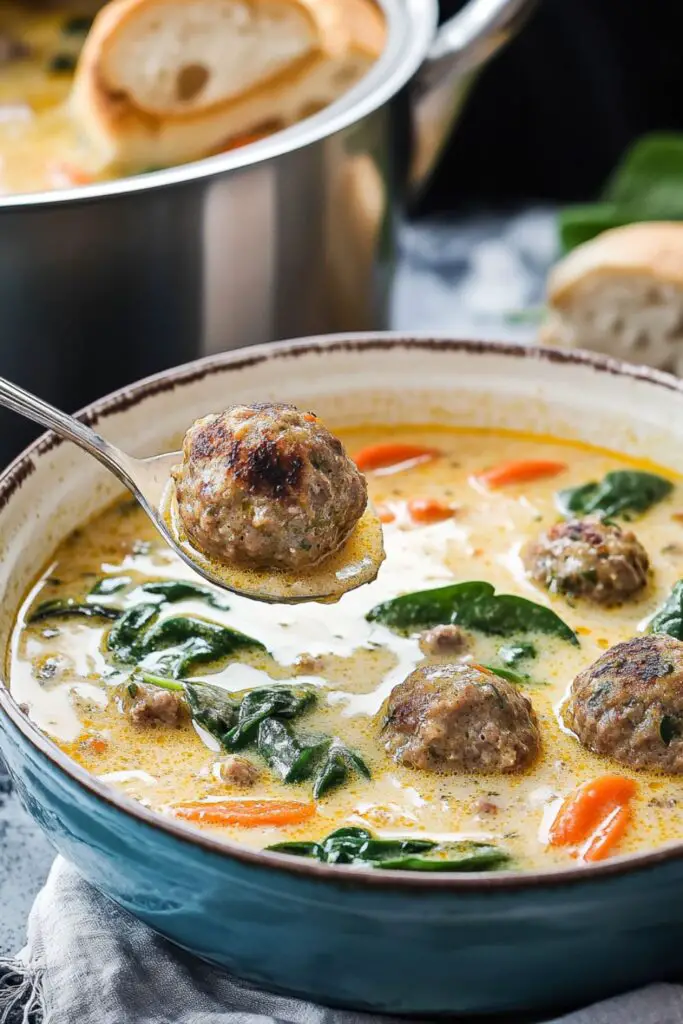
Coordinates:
(61,671)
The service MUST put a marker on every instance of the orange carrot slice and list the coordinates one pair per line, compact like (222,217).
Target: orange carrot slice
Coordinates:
(247,813)
(520,471)
(382,456)
(429,510)
(385,514)
(594,817)
(73,174)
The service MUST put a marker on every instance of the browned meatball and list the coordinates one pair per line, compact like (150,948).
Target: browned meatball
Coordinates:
(459,718)
(444,640)
(155,707)
(628,705)
(268,487)
(588,558)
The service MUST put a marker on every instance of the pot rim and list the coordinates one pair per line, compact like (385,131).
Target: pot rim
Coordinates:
(12,477)
(412,26)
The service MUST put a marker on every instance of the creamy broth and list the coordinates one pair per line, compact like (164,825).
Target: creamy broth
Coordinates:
(59,670)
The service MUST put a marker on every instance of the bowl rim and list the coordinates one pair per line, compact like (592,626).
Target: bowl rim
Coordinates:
(412,25)
(12,477)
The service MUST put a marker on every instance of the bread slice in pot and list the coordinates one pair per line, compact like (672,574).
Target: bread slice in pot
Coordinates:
(622,294)
(162,82)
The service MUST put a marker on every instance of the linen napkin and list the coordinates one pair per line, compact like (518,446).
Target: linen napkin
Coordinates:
(88,962)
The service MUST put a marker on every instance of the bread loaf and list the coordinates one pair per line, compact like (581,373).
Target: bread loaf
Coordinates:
(622,294)
(162,82)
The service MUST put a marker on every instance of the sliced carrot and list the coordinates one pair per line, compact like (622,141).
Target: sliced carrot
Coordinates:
(520,471)
(429,510)
(248,813)
(594,817)
(382,456)
(73,174)
(385,514)
(243,140)
(607,835)
(96,744)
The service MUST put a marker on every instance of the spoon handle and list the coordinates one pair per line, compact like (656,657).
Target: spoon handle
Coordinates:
(68,427)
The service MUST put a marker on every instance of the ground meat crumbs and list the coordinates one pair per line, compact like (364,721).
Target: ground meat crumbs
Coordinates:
(444,640)
(155,707)
(237,771)
(308,664)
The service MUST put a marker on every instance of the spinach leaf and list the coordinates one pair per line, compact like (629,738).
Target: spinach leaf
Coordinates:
(357,846)
(183,642)
(110,585)
(512,654)
(210,706)
(338,764)
(669,729)
(172,591)
(290,759)
(474,606)
(669,618)
(624,492)
(70,608)
(647,185)
(125,636)
(257,705)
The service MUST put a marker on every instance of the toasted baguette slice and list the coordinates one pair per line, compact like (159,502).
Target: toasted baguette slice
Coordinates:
(161,82)
(622,294)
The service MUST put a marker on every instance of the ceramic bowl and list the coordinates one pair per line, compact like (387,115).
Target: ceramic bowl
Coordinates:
(393,942)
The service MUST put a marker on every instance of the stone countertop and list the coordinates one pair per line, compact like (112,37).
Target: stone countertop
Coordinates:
(472,278)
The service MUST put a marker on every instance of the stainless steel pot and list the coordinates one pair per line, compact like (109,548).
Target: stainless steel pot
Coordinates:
(292,236)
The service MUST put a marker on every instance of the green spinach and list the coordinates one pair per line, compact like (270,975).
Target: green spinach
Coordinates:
(357,846)
(338,763)
(258,705)
(110,585)
(669,618)
(125,636)
(512,654)
(288,757)
(517,678)
(175,646)
(669,729)
(624,492)
(472,605)
(70,608)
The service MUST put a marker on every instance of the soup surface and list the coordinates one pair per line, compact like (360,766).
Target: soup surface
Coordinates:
(75,690)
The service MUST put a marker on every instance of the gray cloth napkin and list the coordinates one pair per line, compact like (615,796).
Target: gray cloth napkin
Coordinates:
(88,962)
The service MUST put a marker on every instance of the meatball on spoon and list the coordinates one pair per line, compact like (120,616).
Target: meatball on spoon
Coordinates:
(262,501)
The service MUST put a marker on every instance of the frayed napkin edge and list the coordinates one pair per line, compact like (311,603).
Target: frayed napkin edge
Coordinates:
(22,996)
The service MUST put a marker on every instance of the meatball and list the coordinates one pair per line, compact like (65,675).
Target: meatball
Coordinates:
(155,707)
(628,705)
(444,640)
(459,718)
(588,558)
(266,486)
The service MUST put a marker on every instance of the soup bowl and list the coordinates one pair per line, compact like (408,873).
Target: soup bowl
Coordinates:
(383,941)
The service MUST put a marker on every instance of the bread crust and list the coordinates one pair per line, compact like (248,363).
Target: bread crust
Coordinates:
(130,137)
(653,249)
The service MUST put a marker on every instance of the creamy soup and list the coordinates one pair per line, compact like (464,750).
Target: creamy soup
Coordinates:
(74,689)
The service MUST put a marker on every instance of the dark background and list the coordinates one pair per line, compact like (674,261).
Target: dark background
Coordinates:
(550,116)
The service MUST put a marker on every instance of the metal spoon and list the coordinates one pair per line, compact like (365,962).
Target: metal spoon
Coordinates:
(356,563)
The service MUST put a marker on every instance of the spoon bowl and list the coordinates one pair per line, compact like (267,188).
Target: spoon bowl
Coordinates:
(353,564)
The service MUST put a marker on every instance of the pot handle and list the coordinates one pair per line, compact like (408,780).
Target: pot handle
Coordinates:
(462,46)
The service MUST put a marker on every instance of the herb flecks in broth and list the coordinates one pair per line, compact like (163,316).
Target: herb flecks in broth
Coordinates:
(352,665)
(475,606)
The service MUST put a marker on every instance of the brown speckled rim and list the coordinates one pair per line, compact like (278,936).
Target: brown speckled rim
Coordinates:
(12,479)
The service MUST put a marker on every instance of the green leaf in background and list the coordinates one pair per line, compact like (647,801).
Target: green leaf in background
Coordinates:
(69,608)
(512,654)
(472,605)
(183,642)
(669,618)
(646,185)
(623,492)
(258,705)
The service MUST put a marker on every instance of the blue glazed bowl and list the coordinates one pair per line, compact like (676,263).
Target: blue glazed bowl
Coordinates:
(393,942)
